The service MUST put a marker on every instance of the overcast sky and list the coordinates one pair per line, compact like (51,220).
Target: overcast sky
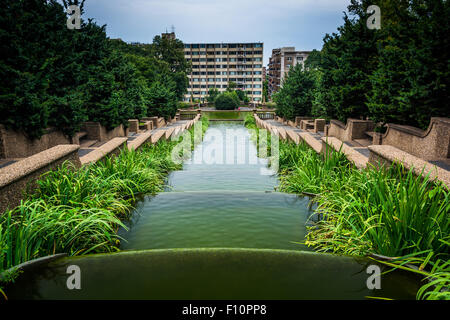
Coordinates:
(277,23)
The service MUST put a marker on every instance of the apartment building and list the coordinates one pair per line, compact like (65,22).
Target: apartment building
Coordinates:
(214,65)
(280,62)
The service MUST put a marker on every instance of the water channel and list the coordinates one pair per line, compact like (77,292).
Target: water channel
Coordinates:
(219,231)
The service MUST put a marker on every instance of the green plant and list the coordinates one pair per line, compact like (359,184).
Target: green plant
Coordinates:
(385,210)
(227,101)
(78,211)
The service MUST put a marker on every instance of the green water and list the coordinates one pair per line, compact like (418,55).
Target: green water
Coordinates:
(220,199)
(250,241)
(227,115)
(210,274)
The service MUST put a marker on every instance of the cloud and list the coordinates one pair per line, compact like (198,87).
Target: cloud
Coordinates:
(301,23)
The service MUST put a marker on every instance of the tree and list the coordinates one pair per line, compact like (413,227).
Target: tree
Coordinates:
(231,86)
(411,82)
(242,95)
(212,95)
(295,97)
(161,100)
(227,101)
(171,51)
(266,90)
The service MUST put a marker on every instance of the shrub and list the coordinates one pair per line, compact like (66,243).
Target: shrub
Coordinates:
(227,101)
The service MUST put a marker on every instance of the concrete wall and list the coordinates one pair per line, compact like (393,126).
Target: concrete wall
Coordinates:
(298,120)
(434,143)
(15,144)
(95,131)
(355,129)
(18,177)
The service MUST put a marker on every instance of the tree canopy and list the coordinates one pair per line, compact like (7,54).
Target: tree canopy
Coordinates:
(53,76)
(399,73)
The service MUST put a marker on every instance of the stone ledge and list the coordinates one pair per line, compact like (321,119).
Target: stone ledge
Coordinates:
(139,141)
(21,176)
(311,141)
(293,136)
(34,163)
(391,154)
(354,156)
(111,147)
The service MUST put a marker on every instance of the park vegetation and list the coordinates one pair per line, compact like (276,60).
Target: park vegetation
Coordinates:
(51,76)
(399,73)
(386,211)
(79,211)
(231,99)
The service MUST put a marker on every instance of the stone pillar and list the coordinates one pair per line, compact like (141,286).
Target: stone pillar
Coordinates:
(133,125)
(319,125)
(326,130)
(377,138)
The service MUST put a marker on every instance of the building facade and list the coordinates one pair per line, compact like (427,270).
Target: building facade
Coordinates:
(214,65)
(280,62)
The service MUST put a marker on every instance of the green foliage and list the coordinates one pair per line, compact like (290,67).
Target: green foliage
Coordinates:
(242,95)
(411,82)
(398,74)
(161,100)
(212,95)
(53,76)
(78,211)
(266,90)
(227,101)
(231,86)
(387,211)
(296,95)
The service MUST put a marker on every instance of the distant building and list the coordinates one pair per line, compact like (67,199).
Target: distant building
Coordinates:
(214,65)
(279,64)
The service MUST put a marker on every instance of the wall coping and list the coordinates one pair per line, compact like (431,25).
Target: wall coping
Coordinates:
(339,123)
(354,156)
(416,131)
(394,154)
(24,167)
(103,151)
